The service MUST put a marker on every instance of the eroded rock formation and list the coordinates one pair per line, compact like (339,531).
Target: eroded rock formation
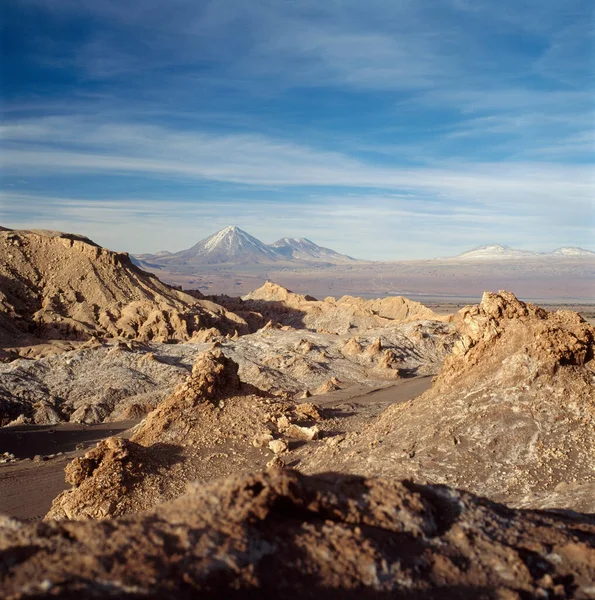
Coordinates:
(214,377)
(45,305)
(136,376)
(347,314)
(511,414)
(211,425)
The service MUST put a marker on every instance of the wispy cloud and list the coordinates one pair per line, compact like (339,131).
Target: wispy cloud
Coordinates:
(387,45)
(372,226)
(58,145)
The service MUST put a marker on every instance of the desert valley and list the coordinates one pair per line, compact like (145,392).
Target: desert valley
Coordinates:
(233,262)
(226,441)
(297,300)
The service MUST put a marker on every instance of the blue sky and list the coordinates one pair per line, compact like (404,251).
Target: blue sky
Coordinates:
(385,129)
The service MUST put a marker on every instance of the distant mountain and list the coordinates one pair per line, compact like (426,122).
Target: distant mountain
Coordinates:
(496,252)
(234,246)
(573,251)
(230,245)
(138,259)
(304,249)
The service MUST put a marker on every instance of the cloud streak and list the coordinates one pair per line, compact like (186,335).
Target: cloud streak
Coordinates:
(369,226)
(63,146)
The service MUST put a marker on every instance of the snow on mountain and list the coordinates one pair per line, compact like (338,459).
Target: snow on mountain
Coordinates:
(304,249)
(230,245)
(233,245)
(573,251)
(496,252)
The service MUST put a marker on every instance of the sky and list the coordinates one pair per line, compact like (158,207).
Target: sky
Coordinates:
(385,129)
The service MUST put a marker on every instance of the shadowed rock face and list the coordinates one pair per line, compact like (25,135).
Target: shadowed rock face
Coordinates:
(294,536)
(511,414)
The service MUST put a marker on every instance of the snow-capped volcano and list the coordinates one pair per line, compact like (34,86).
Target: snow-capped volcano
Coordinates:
(230,245)
(233,245)
(304,249)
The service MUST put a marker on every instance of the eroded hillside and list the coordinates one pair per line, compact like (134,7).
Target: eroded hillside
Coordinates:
(343,315)
(57,289)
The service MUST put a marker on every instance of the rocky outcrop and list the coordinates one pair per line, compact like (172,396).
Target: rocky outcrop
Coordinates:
(394,308)
(278,533)
(511,414)
(348,314)
(330,385)
(104,480)
(502,324)
(56,286)
(210,425)
(213,378)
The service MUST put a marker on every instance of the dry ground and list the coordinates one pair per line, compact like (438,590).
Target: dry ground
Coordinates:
(27,488)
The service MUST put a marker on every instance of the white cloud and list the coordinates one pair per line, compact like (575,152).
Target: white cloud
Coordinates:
(372,226)
(499,201)
(256,160)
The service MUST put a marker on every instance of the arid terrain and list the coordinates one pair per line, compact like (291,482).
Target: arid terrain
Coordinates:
(568,282)
(157,443)
(233,262)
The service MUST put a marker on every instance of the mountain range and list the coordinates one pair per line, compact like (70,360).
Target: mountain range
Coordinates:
(233,245)
(233,262)
(498,252)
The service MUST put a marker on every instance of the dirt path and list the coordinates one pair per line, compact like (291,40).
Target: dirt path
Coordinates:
(392,393)
(27,488)
(26,441)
